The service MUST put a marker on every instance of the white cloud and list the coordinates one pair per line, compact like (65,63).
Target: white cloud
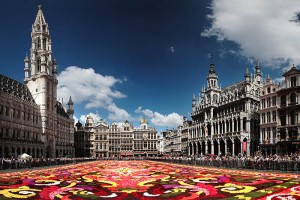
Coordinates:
(96,118)
(158,119)
(266,30)
(118,114)
(279,80)
(85,85)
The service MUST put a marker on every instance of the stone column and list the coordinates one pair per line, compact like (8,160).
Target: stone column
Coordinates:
(212,148)
(206,147)
(233,154)
(241,124)
(192,149)
(248,148)
(212,129)
(225,147)
(219,149)
(242,152)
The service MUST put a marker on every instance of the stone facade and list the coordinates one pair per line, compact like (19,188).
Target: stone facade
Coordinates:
(184,129)
(268,117)
(226,120)
(288,129)
(172,142)
(32,120)
(116,140)
(145,140)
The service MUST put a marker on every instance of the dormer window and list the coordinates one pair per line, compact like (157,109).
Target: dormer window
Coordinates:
(293,81)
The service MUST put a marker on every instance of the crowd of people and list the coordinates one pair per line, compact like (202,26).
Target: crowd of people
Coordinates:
(257,162)
(19,163)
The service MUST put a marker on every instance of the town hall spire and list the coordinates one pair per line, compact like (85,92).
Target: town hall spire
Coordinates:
(41,62)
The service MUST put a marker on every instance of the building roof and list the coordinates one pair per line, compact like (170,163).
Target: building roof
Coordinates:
(15,88)
(61,110)
(292,71)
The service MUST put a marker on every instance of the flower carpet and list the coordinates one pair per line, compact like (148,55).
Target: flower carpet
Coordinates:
(146,180)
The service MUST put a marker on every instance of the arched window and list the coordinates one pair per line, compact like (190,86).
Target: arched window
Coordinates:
(293,98)
(38,43)
(208,98)
(215,98)
(282,100)
(38,63)
(44,43)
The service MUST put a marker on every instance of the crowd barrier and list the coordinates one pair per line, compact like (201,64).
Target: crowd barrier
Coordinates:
(20,164)
(285,166)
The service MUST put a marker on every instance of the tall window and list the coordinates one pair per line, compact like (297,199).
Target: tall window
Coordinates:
(269,102)
(38,43)
(268,133)
(263,103)
(282,118)
(293,98)
(263,133)
(263,117)
(293,81)
(274,133)
(38,63)
(293,117)
(282,100)
(274,115)
(274,101)
(268,117)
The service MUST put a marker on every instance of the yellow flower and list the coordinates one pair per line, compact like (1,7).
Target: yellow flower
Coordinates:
(23,192)
(234,189)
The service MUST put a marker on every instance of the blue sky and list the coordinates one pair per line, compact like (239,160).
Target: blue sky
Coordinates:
(127,59)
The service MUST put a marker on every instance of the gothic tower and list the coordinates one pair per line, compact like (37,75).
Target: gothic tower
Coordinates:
(258,75)
(247,81)
(212,91)
(212,78)
(41,74)
(70,110)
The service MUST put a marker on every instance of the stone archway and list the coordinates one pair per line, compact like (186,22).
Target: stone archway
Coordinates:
(222,147)
(6,152)
(237,146)
(33,153)
(190,152)
(18,151)
(208,147)
(48,151)
(12,152)
(229,147)
(203,148)
(216,147)
(199,148)
(194,148)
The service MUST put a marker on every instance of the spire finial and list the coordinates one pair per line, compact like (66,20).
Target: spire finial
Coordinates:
(40,7)
(70,100)
(26,57)
(247,71)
